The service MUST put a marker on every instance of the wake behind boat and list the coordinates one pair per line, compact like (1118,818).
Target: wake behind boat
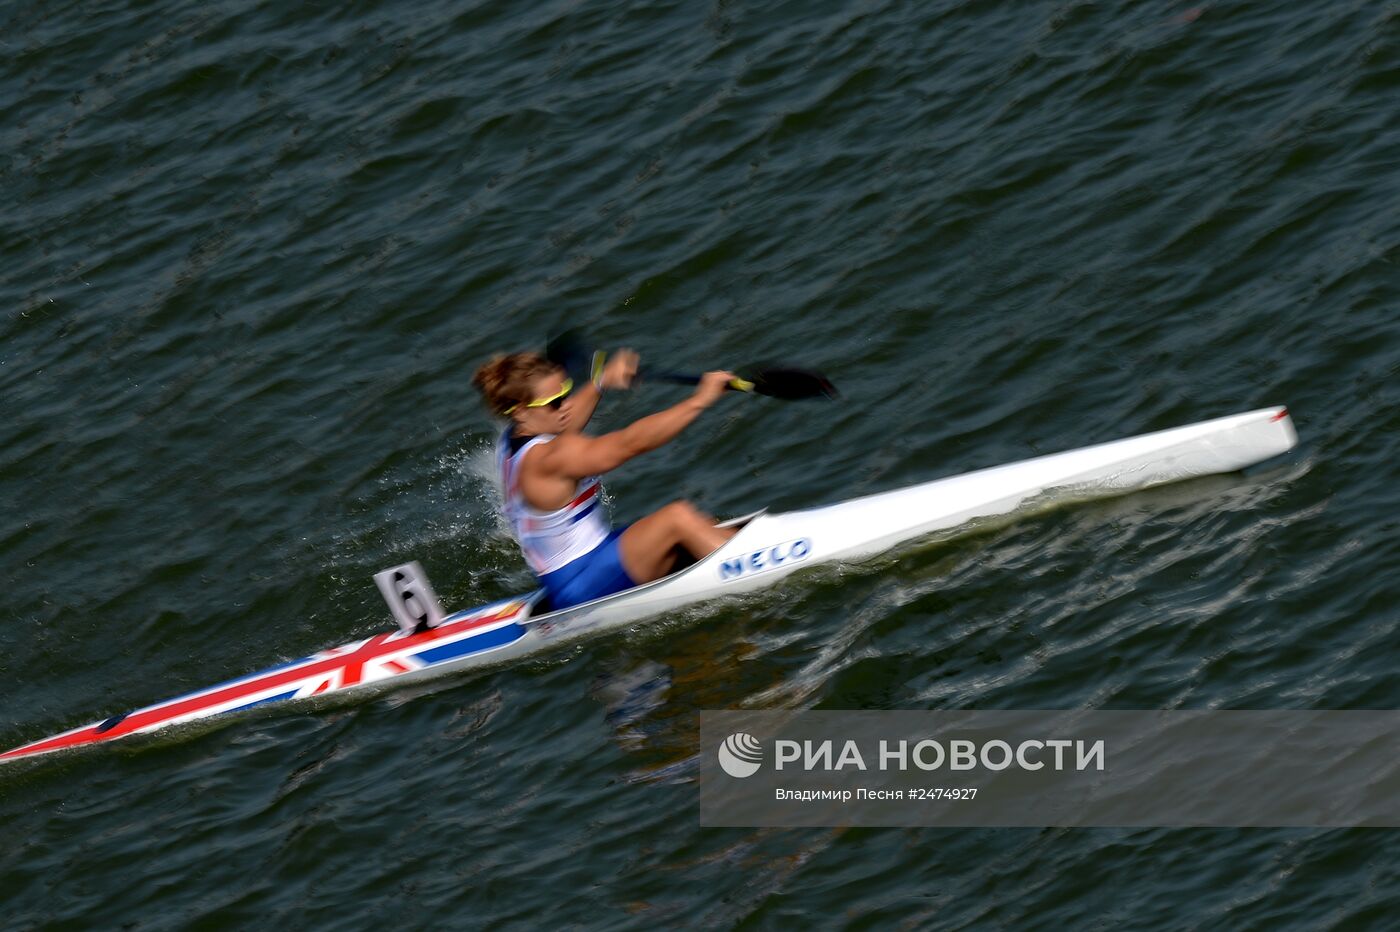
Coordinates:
(766,548)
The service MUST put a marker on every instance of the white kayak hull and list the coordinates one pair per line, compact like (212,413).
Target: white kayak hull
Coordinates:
(772,545)
(766,548)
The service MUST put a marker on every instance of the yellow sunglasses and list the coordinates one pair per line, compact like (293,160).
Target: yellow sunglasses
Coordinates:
(553,401)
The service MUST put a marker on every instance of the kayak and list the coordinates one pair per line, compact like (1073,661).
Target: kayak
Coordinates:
(766,548)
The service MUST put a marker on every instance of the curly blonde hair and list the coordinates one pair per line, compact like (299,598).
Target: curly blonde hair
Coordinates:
(505,380)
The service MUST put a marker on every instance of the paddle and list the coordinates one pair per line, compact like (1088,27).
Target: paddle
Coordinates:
(786,383)
(781,382)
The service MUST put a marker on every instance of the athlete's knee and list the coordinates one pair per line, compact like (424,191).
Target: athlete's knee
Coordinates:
(682,510)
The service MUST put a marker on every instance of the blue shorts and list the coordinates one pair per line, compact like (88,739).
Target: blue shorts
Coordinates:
(592,576)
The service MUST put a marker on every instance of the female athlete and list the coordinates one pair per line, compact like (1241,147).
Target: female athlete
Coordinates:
(550,475)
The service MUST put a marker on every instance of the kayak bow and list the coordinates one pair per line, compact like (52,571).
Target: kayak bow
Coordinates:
(767,547)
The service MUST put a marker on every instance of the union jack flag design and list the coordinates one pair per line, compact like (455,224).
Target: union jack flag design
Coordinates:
(373,660)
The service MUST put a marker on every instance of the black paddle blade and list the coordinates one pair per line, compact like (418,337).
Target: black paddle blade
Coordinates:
(571,352)
(789,384)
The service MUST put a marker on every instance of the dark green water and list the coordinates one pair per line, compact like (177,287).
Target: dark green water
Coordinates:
(252,252)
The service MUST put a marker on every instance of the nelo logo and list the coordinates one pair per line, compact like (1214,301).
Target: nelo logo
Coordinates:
(740,755)
(769,558)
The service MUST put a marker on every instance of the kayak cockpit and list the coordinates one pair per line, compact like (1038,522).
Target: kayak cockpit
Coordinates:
(540,605)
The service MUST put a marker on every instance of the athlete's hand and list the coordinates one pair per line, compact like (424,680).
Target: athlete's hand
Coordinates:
(621,369)
(712,386)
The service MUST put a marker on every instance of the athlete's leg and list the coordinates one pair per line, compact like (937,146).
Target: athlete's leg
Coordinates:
(648,547)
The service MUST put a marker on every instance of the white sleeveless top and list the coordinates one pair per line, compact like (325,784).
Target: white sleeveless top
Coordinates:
(550,539)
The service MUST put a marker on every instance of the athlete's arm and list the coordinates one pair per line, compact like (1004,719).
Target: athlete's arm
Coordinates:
(574,455)
(618,373)
(585,401)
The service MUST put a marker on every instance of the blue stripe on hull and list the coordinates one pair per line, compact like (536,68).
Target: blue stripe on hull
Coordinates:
(497,637)
(277,698)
